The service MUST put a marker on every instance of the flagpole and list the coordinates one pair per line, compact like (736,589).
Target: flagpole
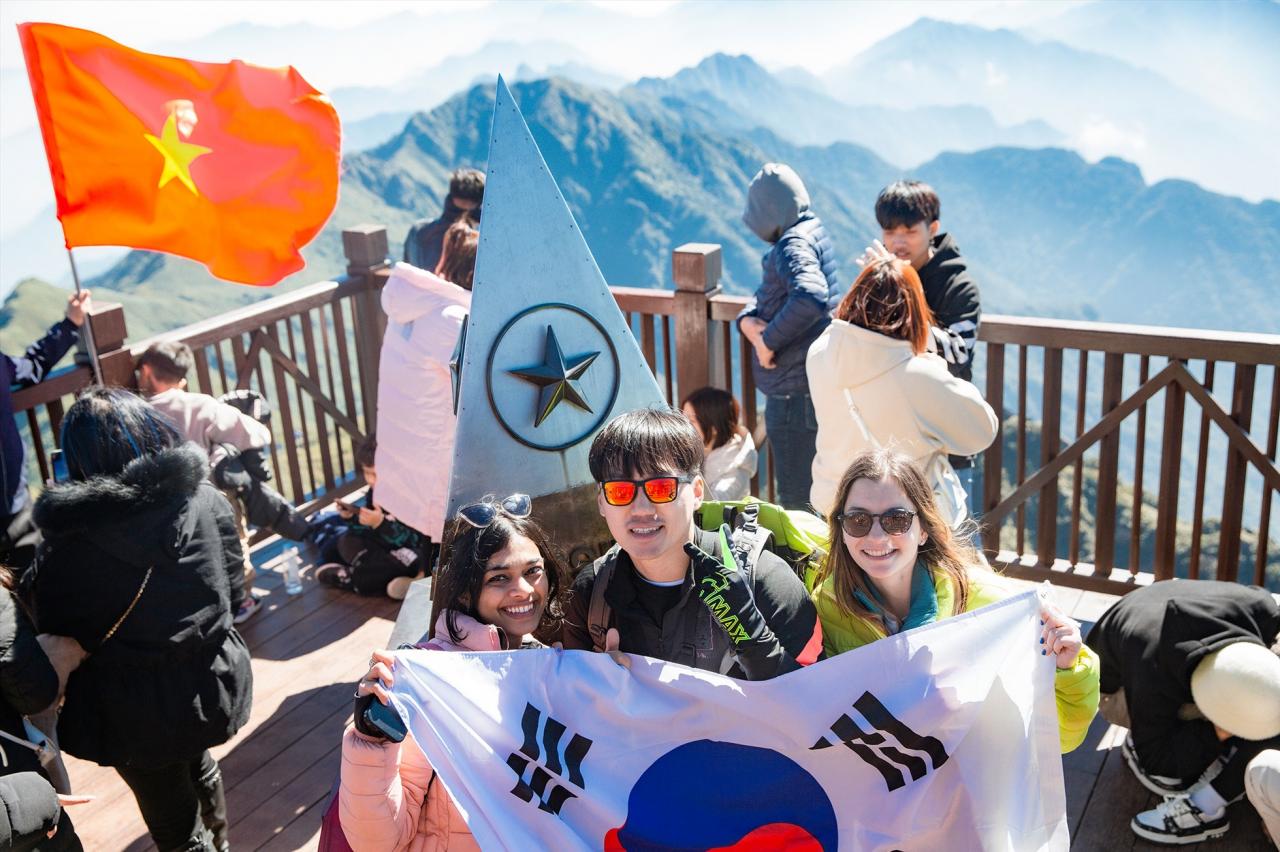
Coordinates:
(86,326)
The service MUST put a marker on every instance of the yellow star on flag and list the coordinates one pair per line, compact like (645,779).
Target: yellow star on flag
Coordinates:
(178,155)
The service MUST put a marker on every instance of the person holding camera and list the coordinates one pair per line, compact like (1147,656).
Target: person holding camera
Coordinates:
(500,590)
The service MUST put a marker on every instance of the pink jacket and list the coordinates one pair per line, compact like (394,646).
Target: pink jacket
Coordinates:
(389,798)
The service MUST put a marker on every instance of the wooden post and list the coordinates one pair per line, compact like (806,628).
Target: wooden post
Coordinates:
(107,324)
(695,267)
(366,249)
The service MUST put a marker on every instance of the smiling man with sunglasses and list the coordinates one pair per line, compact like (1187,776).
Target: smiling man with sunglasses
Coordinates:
(667,589)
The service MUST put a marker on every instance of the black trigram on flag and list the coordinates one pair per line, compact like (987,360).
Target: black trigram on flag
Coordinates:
(873,746)
(556,758)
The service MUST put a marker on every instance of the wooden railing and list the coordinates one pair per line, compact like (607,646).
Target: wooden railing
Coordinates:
(1079,446)
(312,352)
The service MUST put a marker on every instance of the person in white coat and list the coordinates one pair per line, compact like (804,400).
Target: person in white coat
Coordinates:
(874,384)
(729,453)
(416,420)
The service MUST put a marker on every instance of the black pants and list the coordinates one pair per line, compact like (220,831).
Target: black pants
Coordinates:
(183,804)
(372,565)
(1230,781)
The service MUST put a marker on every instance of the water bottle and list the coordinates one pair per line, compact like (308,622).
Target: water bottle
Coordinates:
(292,571)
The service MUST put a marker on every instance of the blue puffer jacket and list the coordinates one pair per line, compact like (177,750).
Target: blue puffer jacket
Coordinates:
(796,297)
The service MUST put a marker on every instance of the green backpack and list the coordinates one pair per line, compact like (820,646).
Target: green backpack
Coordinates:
(800,538)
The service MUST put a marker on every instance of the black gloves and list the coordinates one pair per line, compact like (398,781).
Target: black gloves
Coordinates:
(725,591)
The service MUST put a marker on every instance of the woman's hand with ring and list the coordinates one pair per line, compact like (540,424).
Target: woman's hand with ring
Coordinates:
(380,676)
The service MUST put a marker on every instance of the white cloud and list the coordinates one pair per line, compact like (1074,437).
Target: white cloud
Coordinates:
(1101,137)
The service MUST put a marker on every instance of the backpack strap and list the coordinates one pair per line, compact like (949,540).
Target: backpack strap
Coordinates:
(598,611)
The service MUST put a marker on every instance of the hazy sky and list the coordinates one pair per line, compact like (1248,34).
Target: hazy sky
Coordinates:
(776,34)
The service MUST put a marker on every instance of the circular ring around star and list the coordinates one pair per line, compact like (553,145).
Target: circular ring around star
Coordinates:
(552,376)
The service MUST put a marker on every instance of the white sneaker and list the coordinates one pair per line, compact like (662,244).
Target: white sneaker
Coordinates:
(1177,821)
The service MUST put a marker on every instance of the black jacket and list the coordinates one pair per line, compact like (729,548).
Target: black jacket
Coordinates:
(425,241)
(1151,641)
(28,683)
(796,297)
(953,297)
(688,634)
(175,679)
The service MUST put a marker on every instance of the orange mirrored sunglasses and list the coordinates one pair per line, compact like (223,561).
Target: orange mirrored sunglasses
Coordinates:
(659,489)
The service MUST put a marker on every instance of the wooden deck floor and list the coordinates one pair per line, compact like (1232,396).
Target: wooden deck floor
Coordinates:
(308,651)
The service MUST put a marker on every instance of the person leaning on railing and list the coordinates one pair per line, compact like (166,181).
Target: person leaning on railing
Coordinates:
(133,591)
(895,564)
(17,533)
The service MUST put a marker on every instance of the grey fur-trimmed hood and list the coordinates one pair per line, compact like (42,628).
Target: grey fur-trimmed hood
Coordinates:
(148,483)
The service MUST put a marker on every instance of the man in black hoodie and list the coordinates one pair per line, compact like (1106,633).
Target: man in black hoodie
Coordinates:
(908,213)
(422,247)
(1191,668)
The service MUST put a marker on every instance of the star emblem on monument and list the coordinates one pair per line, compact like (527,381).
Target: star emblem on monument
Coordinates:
(556,377)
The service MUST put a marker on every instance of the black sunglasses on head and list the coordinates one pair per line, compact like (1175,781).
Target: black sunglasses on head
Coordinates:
(483,513)
(893,521)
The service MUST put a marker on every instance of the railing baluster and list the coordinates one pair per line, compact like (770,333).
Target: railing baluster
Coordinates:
(1021,522)
(648,342)
(326,341)
(1050,445)
(286,422)
(1140,449)
(748,398)
(302,411)
(54,410)
(313,367)
(1104,557)
(222,367)
(203,381)
(1202,455)
(1077,480)
(1264,522)
(37,440)
(668,359)
(1170,475)
(993,456)
(1234,478)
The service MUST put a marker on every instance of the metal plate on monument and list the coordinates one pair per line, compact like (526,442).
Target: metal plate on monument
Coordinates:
(553,376)
(548,357)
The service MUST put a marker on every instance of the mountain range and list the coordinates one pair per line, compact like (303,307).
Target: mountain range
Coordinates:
(646,169)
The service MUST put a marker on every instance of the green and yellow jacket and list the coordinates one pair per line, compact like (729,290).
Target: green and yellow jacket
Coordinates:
(933,598)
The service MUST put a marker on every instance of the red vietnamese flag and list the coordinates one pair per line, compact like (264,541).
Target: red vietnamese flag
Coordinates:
(230,164)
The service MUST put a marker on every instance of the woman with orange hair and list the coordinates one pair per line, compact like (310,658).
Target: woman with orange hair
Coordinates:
(874,384)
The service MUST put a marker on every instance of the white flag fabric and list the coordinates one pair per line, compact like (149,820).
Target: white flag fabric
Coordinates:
(944,737)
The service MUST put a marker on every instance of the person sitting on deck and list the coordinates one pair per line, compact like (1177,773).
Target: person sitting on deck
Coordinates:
(1191,668)
(500,591)
(234,443)
(376,554)
(895,564)
(653,591)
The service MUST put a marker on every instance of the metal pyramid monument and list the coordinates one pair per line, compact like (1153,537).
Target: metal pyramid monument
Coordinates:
(547,357)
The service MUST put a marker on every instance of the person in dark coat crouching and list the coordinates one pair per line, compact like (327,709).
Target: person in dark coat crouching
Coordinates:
(141,566)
